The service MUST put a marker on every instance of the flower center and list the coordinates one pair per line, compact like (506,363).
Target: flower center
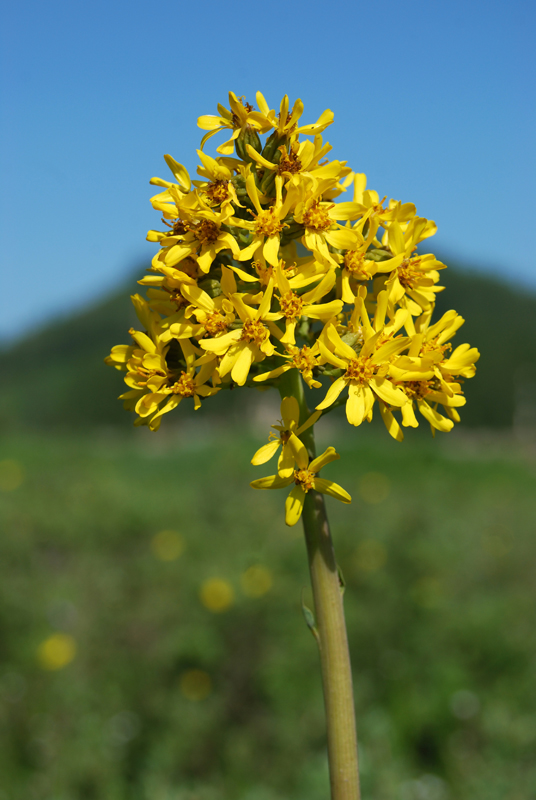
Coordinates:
(267,223)
(289,162)
(180,227)
(360,370)
(317,217)
(303,360)
(304,478)
(416,389)
(218,191)
(205,231)
(408,275)
(355,263)
(185,386)
(291,305)
(215,323)
(254,331)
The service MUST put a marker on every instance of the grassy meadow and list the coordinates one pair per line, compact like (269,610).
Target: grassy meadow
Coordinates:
(152,643)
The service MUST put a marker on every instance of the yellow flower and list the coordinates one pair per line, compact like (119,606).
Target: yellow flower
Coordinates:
(288,432)
(293,305)
(305,479)
(243,346)
(365,362)
(428,375)
(413,277)
(302,159)
(286,124)
(197,233)
(304,359)
(238,118)
(166,393)
(319,218)
(371,208)
(203,314)
(267,224)
(220,188)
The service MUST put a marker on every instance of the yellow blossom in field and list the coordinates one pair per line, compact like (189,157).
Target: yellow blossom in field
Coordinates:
(217,595)
(305,478)
(57,651)
(289,430)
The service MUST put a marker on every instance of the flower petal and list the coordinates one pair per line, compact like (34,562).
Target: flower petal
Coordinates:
(271,482)
(331,488)
(265,453)
(294,506)
(330,454)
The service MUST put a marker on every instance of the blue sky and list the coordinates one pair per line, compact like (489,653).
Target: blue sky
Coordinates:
(433,100)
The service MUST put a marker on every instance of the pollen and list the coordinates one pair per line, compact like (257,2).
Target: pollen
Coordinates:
(303,359)
(416,389)
(218,191)
(254,331)
(267,223)
(433,345)
(289,162)
(356,264)
(304,478)
(291,305)
(180,227)
(317,217)
(215,323)
(409,274)
(185,386)
(205,231)
(360,369)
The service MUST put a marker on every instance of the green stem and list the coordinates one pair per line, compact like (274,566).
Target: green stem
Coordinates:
(332,638)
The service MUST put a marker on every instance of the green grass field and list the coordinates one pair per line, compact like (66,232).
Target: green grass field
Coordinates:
(124,675)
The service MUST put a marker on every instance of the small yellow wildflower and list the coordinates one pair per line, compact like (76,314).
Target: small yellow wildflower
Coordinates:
(287,438)
(57,651)
(305,479)
(217,595)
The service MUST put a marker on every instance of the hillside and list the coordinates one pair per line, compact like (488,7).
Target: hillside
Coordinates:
(56,376)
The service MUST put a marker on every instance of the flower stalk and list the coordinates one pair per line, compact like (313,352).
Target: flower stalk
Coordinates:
(330,630)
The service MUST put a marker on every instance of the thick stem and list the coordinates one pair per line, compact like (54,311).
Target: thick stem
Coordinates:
(334,655)
(331,627)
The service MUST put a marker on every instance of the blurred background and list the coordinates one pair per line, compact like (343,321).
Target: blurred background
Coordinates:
(152,645)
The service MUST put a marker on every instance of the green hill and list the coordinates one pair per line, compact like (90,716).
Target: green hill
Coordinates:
(56,376)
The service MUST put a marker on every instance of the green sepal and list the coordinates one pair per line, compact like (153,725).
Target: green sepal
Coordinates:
(247,136)
(211,287)
(378,255)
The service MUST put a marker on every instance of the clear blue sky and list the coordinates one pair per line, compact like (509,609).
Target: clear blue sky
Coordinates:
(433,100)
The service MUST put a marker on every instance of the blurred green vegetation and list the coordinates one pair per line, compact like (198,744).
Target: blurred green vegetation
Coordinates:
(56,377)
(118,681)
(152,645)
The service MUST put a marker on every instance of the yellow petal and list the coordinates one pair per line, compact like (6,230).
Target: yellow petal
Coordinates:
(290,412)
(391,423)
(333,392)
(299,451)
(243,363)
(331,488)
(271,482)
(330,454)
(265,453)
(355,405)
(294,506)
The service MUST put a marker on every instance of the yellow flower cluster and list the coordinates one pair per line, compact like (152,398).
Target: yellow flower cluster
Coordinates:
(263,269)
